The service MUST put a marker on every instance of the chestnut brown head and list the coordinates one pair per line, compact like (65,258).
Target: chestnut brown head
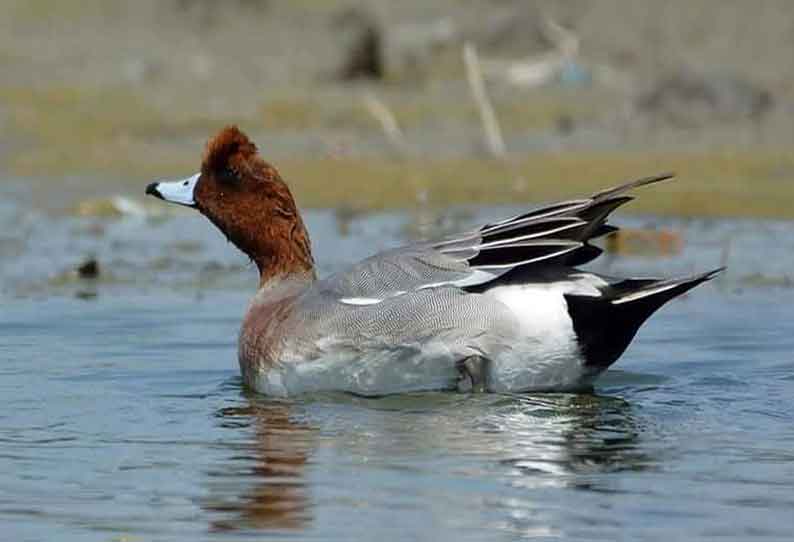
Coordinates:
(245,197)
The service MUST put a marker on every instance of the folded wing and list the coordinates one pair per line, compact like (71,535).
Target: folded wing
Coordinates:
(557,234)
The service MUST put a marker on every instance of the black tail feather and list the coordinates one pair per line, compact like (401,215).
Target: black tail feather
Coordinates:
(606,325)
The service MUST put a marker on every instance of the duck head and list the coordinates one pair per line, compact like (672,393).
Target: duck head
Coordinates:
(245,197)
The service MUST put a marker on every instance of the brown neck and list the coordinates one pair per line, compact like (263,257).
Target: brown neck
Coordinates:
(280,248)
(288,255)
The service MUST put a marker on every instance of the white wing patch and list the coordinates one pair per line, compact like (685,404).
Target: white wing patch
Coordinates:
(369,300)
(360,300)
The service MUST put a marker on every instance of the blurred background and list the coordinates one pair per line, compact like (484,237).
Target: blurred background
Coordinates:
(370,104)
(381,106)
(388,106)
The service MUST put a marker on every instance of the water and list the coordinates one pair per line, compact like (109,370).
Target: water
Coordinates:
(123,415)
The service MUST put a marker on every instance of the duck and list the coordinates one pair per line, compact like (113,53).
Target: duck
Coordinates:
(502,308)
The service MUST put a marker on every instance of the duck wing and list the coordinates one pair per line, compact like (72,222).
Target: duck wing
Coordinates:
(551,235)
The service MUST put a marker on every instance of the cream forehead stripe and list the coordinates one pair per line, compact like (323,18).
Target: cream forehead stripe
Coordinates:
(180,192)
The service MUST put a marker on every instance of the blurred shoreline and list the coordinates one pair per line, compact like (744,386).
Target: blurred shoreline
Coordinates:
(586,95)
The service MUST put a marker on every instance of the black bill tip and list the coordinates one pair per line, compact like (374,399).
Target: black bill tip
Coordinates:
(151,189)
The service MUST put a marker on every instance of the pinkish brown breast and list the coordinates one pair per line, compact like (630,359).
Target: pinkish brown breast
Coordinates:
(266,324)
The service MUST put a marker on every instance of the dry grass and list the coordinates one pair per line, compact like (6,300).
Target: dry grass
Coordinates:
(723,184)
(115,131)
(67,131)
(112,133)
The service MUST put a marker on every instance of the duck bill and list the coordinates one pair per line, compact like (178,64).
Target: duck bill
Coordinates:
(180,192)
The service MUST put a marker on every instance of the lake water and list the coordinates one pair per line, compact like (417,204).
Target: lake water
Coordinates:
(123,415)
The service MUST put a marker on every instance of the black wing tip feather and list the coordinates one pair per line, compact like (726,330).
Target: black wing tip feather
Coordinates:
(583,255)
(603,230)
(517,241)
(708,275)
(509,256)
(607,200)
(631,185)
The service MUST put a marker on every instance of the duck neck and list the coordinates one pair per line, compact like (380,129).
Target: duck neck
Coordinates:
(284,255)
(279,252)
(271,272)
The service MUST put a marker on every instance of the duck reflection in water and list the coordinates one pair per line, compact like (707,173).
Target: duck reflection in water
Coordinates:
(567,440)
(544,440)
(527,442)
(262,486)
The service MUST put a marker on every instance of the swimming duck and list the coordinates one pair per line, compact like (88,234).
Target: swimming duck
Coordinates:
(502,307)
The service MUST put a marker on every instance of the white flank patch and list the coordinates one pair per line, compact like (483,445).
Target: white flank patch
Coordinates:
(540,308)
(546,355)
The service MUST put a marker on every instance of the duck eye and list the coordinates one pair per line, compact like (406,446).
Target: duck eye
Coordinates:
(227,175)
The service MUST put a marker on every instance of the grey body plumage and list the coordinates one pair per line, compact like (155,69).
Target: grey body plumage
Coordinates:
(507,293)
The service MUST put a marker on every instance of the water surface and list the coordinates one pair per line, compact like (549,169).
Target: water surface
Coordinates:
(124,417)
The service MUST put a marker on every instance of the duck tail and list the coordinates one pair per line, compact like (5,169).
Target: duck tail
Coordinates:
(605,325)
